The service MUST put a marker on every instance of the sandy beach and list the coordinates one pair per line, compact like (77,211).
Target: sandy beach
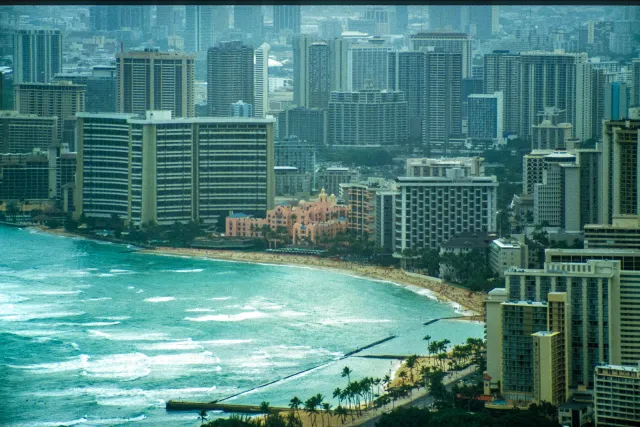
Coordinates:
(470,303)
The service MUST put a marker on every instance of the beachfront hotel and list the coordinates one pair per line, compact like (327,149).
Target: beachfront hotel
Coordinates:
(306,223)
(157,168)
(431,210)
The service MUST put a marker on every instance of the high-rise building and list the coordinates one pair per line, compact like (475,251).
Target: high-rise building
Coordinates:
(301,69)
(318,75)
(485,117)
(442,118)
(621,234)
(367,117)
(601,79)
(407,74)
(305,123)
(339,63)
(230,77)
(615,395)
(261,81)
(165,18)
(426,167)
(621,193)
(153,80)
(481,22)
(331,178)
(551,131)
(241,109)
(250,22)
(361,214)
(22,133)
(431,210)
(177,177)
(382,17)
(101,90)
(286,17)
(37,55)
(446,42)
(330,29)
(200,27)
(62,100)
(550,79)
(384,219)
(445,18)
(470,86)
(635,92)
(369,65)
(25,177)
(295,152)
(502,74)
(402,19)
(615,105)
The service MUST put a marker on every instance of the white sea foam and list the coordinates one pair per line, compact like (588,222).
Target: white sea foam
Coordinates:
(106,275)
(139,291)
(119,271)
(40,292)
(353,320)
(11,298)
(75,345)
(200,310)
(86,422)
(24,317)
(220,298)
(186,270)
(188,344)
(228,317)
(160,299)
(128,336)
(131,287)
(99,299)
(114,317)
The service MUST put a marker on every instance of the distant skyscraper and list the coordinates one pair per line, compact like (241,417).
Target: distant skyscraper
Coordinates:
(200,26)
(406,74)
(369,65)
(485,117)
(550,79)
(152,80)
(319,75)
(330,29)
(443,18)
(447,42)
(301,69)
(402,19)
(165,18)
(442,118)
(249,20)
(22,133)
(261,81)
(62,100)
(480,22)
(101,90)
(367,117)
(229,77)
(241,109)
(305,123)
(286,17)
(502,74)
(615,107)
(37,55)
(635,92)
(339,49)
(621,193)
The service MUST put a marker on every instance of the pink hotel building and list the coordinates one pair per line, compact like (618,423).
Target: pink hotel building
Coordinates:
(307,222)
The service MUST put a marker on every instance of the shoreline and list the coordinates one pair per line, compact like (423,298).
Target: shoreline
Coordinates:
(464,302)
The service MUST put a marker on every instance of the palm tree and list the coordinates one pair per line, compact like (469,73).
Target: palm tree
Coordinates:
(12,210)
(427,338)
(265,408)
(319,402)
(310,408)
(341,412)
(411,364)
(385,381)
(337,393)
(346,372)
(202,416)
(403,376)
(327,410)
(295,405)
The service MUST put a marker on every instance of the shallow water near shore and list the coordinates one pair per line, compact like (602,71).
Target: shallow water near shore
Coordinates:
(92,334)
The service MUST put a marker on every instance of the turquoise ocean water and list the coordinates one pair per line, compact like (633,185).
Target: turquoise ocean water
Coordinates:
(94,334)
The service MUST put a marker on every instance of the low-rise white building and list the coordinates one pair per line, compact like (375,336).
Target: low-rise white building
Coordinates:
(507,252)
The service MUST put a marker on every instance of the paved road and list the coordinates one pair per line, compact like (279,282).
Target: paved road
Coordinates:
(422,402)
